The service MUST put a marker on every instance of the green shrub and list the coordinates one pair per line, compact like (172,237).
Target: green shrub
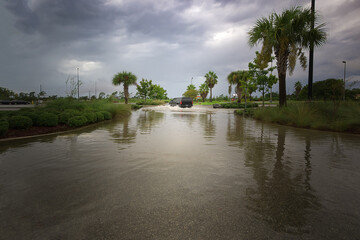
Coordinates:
(107,115)
(20,122)
(77,121)
(135,106)
(238,105)
(67,114)
(4,127)
(47,120)
(32,115)
(90,116)
(99,116)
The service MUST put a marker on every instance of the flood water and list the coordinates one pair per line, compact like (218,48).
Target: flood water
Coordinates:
(170,173)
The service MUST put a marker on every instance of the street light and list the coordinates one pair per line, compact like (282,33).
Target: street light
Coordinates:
(344,62)
(311,53)
(78,83)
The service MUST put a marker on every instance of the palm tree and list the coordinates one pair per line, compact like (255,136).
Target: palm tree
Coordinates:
(126,78)
(238,78)
(203,91)
(211,80)
(287,35)
(298,88)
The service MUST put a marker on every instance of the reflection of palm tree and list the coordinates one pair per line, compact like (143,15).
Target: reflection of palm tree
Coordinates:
(281,198)
(126,134)
(189,118)
(209,127)
(235,131)
(148,120)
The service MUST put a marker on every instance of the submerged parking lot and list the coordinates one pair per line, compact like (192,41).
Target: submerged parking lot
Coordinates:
(171,173)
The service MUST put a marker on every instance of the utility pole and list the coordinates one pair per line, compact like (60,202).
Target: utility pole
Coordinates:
(95,88)
(344,79)
(311,53)
(78,83)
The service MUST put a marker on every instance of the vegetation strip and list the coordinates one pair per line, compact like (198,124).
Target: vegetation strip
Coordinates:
(330,116)
(59,114)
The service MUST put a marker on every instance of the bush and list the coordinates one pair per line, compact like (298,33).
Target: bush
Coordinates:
(67,114)
(4,126)
(238,105)
(90,116)
(107,115)
(135,106)
(32,115)
(20,122)
(77,121)
(47,120)
(99,116)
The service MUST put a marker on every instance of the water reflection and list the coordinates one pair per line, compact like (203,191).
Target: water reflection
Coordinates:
(148,120)
(282,195)
(187,117)
(122,131)
(207,122)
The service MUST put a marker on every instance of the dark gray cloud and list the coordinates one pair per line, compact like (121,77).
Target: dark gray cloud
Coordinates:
(168,41)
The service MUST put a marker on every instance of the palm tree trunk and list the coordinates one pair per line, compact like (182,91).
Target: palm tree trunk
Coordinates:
(126,93)
(238,92)
(282,60)
(210,94)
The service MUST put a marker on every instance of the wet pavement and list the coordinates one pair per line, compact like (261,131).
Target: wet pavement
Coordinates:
(170,173)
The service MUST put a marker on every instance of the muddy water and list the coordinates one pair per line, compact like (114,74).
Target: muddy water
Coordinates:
(169,173)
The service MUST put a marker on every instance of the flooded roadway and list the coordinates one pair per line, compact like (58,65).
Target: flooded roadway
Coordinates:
(170,173)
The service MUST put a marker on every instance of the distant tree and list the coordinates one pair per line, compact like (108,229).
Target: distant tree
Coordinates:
(244,81)
(230,90)
(41,94)
(102,95)
(234,79)
(211,80)
(127,79)
(287,35)
(327,90)
(191,87)
(72,86)
(237,78)
(191,93)
(203,91)
(259,70)
(5,93)
(158,92)
(298,87)
(145,88)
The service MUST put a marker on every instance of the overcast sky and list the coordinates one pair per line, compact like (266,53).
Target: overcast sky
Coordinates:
(167,41)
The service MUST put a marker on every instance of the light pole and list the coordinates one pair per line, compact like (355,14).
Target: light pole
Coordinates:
(191,80)
(311,53)
(78,83)
(344,62)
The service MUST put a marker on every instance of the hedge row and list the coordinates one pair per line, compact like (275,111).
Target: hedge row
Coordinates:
(70,117)
(238,105)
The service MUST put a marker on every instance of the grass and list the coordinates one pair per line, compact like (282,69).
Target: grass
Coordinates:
(339,117)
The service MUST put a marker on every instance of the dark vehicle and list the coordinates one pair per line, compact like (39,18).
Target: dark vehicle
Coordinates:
(16,102)
(182,102)
(6,102)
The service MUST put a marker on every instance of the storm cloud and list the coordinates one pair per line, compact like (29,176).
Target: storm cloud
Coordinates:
(170,42)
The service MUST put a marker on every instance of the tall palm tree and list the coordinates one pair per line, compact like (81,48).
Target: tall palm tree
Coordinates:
(238,78)
(298,87)
(211,80)
(126,78)
(203,90)
(287,35)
